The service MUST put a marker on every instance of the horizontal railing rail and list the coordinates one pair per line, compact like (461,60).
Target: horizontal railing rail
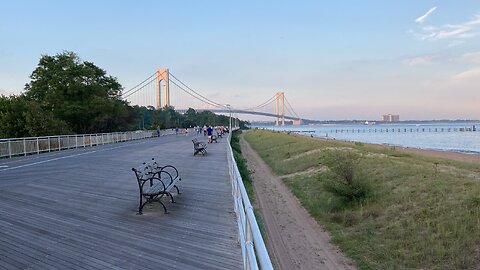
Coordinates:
(254,251)
(35,145)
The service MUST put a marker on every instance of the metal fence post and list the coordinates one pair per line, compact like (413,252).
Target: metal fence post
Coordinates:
(38,147)
(10,148)
(59,147)
(49,146)
(24,147)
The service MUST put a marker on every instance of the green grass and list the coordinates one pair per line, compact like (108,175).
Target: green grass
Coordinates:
(424,212)
(245,173)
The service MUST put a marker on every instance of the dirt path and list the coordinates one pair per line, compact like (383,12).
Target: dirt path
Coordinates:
(294,239)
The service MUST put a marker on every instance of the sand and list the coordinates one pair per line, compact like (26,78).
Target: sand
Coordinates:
(293,238)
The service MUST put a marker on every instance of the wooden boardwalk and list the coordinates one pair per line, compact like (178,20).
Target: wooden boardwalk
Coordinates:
(76,209)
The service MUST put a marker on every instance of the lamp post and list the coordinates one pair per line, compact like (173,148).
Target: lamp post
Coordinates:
(230,119)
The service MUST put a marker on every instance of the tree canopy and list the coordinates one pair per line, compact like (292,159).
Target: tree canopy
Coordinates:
(79,93)
(67,95)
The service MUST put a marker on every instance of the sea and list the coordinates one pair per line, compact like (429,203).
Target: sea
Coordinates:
(453,137)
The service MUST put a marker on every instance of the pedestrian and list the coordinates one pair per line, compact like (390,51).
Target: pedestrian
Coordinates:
(209,133)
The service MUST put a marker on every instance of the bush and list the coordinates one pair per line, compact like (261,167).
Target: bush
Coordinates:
(235,141)
(347,180)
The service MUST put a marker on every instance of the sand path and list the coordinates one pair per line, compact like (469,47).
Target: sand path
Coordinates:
(294,239)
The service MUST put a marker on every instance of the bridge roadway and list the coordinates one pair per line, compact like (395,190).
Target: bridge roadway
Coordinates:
(76,209)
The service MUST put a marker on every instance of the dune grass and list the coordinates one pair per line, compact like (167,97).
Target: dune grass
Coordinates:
(424,213)
(245,174)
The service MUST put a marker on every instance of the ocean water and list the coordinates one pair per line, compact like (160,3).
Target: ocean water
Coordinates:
(455,137)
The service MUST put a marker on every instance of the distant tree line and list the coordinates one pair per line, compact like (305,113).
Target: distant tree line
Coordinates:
(69,96)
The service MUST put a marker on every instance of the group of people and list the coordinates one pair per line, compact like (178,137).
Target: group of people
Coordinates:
(208,131)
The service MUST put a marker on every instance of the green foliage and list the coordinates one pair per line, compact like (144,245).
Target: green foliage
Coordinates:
(20,117)
(346,180)
(425,213)
(80,94)
(235,142)
(68,95)
(242,164)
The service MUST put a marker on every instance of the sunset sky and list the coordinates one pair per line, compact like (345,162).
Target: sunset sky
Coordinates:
(333,59)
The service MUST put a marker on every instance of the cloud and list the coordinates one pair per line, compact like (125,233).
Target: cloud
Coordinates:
(421,19)
(455,43)
(460,31)
(470,74)
(419,60)
(472,57)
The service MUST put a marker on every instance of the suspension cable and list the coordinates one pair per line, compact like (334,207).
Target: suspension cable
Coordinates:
(196,97)
(294,113)
(126,92)
(211,101)
(270,100)
(124,96)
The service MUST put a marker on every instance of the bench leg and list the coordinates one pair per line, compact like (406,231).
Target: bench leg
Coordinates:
(178,191)
(140,207)
(164,207)
(171,197)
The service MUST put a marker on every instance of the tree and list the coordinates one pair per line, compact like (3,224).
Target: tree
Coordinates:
(20,117)
(79,93)
(190,118)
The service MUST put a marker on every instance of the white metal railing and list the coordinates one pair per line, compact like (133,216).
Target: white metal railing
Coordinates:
(36,145)
(251,241)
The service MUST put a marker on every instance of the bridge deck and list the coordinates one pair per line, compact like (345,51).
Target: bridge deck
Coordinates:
(75,209)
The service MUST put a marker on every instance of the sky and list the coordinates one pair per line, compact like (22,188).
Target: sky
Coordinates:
(333,59)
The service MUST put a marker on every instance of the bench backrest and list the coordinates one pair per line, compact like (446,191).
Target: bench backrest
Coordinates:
(171,170)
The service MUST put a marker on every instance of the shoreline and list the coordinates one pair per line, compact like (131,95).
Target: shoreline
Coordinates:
(458,156)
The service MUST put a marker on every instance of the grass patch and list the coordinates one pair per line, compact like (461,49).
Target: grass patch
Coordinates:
(246,178)
(242,165)
(422,212)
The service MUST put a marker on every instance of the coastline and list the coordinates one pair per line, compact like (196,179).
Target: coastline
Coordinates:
(458,156)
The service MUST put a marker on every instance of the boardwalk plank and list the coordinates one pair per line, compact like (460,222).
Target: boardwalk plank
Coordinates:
(79,211)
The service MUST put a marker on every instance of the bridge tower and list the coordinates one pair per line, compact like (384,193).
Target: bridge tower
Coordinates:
(280,98)
(162,75)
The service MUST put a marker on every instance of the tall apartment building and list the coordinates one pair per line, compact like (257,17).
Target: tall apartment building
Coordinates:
(390,117)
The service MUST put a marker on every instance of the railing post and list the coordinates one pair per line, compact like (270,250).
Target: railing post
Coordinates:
(10,148)
(76,141)
(59,146)
(24,147)
(49,145)
(38,147)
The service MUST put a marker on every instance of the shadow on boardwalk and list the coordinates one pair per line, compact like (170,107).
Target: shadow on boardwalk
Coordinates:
(76,209)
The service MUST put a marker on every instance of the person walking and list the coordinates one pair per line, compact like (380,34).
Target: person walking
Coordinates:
(209,133)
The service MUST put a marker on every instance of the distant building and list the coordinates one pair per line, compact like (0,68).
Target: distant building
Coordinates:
(390,118)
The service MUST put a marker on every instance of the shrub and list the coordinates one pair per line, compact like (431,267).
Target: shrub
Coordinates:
(235,141)
(346,179)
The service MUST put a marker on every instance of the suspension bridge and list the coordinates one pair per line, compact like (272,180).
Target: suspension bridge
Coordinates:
(163,88)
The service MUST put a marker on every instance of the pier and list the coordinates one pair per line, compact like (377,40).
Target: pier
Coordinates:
(401,130)
(76,209)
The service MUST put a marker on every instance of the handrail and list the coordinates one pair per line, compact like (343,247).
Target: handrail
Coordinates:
(11,147)
(251,241)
